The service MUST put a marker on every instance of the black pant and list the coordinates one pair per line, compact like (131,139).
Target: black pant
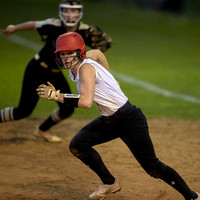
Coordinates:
(34,76)
(130,124)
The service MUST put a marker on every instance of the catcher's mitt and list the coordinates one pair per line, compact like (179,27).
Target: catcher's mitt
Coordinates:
(98,39)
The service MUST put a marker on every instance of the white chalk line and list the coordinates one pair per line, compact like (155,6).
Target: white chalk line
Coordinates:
(155,88)
(121,77)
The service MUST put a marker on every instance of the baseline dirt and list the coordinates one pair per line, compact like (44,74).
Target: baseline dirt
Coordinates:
(32,169)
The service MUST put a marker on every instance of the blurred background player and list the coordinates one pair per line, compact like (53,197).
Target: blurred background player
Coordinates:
(42,67)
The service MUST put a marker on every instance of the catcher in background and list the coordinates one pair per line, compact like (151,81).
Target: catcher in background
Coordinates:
(43,68)
(119,118)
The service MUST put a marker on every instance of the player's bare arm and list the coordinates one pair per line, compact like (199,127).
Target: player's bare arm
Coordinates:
(87,86)
(10,29)
(99,57)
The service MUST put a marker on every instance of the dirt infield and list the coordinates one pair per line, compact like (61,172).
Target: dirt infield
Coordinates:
(32,169)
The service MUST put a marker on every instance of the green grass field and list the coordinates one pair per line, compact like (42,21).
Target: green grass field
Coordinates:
(158,48)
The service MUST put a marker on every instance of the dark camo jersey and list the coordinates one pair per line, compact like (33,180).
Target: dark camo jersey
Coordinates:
(42,68)
(49,30)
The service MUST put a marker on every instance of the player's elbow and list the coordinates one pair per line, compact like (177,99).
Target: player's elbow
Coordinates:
(85,101)
(85,104)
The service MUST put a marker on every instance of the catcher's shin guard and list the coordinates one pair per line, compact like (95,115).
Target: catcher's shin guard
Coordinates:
(6,114)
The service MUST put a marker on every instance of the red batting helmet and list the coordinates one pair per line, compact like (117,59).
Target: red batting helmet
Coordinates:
(70,42)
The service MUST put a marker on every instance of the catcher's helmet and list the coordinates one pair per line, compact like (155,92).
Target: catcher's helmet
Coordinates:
(71,41)
(73,5)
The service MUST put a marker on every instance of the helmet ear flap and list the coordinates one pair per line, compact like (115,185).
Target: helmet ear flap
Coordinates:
(59,61)
(80,54)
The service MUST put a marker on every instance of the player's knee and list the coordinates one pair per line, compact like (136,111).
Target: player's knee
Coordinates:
(25,114)
(80,154)
(154,173)
(75,150)
(22,112)
(78,148)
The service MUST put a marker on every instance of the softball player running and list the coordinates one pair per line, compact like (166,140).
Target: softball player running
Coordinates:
(119,118)
(42,67)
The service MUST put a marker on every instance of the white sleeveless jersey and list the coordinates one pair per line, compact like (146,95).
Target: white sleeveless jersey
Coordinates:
(108,96)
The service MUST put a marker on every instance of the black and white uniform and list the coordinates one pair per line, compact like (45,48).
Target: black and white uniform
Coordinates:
(120,119)
(42,68)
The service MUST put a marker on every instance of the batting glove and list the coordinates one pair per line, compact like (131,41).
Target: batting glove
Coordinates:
(48,92)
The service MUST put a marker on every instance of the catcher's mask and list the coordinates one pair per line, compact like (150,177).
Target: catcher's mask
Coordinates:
(70,12)
(70,42)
